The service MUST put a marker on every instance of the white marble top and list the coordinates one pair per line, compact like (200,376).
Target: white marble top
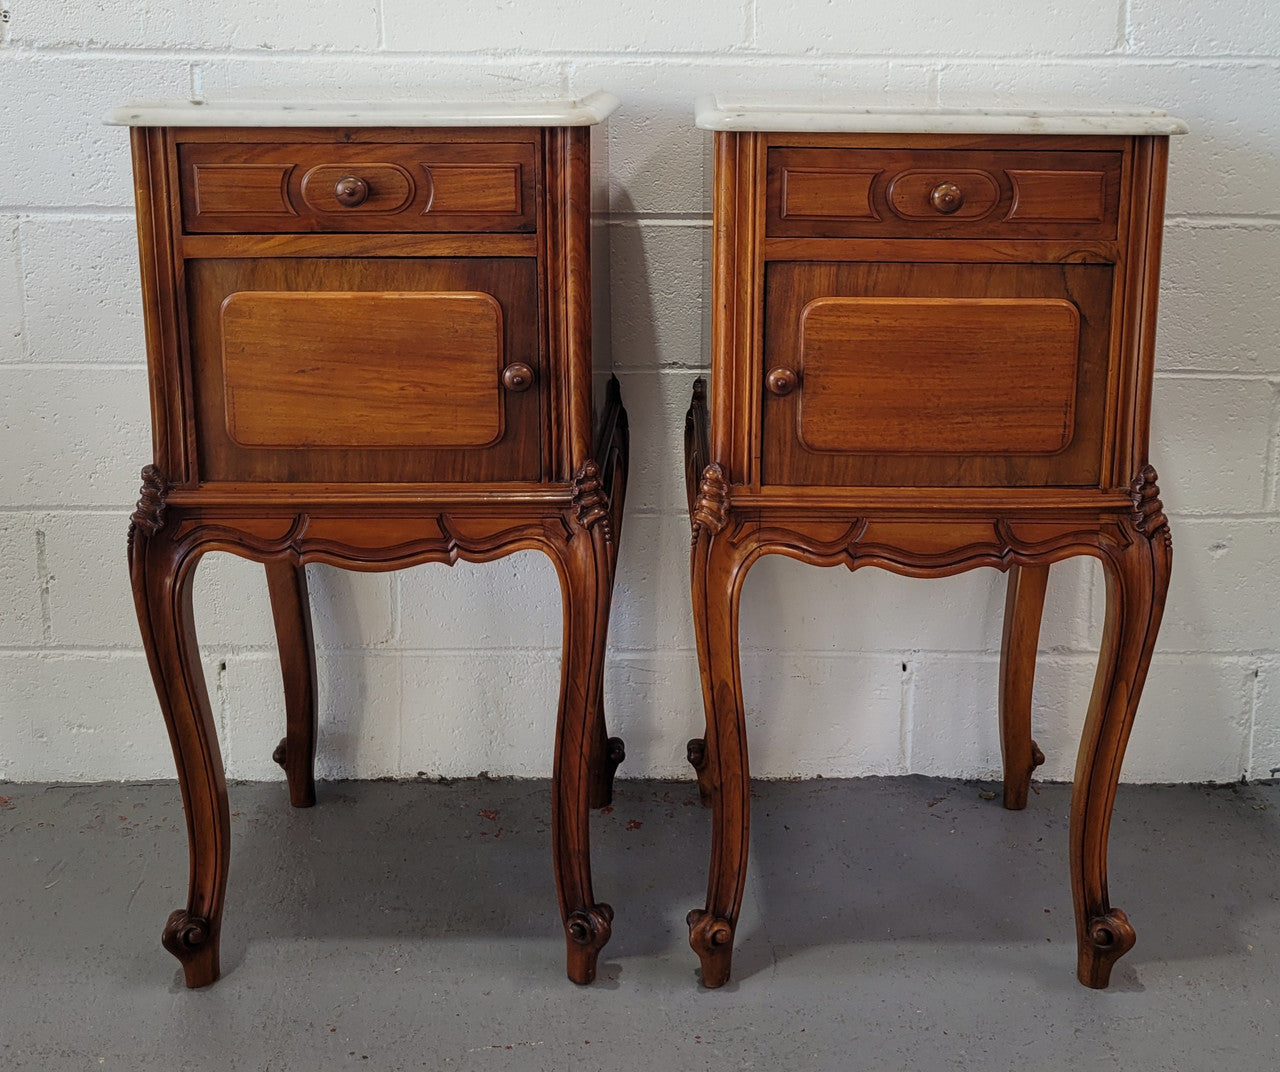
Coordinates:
(530,112)
(723,111)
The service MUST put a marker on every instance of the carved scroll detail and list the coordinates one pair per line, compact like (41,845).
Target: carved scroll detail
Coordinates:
(149,514)
(708,932)
(184,933)
(590,927)
(590,500)
(711,508)
(1112,934)
(1148,511)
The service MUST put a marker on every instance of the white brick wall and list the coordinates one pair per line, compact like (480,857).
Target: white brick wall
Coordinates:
(455,671)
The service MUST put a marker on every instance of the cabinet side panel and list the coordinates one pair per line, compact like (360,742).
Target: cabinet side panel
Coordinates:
(1137,342)
(601,298)
(566,293)
(152,188)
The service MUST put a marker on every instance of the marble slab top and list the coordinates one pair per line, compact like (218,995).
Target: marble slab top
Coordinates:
(724,111)
(547,112)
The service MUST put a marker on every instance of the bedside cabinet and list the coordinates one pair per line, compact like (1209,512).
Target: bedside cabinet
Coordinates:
(932,348)
(369,335)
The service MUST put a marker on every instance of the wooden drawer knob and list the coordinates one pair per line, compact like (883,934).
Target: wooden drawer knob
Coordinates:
(947,197)
(517,377)
(351,191)
(781,381)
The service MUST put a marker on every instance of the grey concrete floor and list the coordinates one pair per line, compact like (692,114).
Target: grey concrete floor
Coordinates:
(902,923)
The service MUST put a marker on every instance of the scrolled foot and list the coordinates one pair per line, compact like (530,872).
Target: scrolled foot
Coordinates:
(711,937)
(1108,938)
(586,932)
(192,940)
(696,753)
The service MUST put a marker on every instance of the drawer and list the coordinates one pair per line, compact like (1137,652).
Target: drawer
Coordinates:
(264,187)
(364,370)
(899,374)
(942,193)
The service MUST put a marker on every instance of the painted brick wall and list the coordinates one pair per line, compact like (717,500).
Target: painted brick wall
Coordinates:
(455,671)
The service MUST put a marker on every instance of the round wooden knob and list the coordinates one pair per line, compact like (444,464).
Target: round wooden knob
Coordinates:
(947,197)
(351,191)
(781,381)
(517,377)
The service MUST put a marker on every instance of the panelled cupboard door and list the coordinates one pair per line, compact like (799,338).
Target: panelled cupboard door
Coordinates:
(934,374)
(364,370)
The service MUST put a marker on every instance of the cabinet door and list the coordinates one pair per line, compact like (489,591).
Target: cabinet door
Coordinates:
(935,374)
(344,370)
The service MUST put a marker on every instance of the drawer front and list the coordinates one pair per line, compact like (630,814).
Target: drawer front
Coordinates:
(357,187)
(942,193)
(935,374)
(341,370)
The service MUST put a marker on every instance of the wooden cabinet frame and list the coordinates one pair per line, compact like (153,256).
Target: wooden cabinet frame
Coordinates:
(926,523)
(571,509)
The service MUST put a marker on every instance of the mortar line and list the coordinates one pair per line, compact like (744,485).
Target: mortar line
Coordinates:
(723,57)
(42,576)
(22,283)
(1224,220)
(254,652)
(38,508)
(73,366)
(906,716)
(1206,220)
(1253,725)
(1271,476)
(1210,374)
(77,212)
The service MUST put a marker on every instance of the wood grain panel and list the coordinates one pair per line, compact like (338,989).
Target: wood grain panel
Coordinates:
(1068,194)
(403,341)
(828,193)
(938,375)
(475,189)
(1058,196)
(351,369)
(944,423)
(227,189)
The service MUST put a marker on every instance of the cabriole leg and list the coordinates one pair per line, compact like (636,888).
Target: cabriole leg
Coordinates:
(1137,577)
(584,579)
(162,571)
(613,451)
(1023,607)
(723,771)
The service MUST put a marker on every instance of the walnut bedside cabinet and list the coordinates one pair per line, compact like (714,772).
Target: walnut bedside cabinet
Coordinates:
(932,348)
(369,342)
